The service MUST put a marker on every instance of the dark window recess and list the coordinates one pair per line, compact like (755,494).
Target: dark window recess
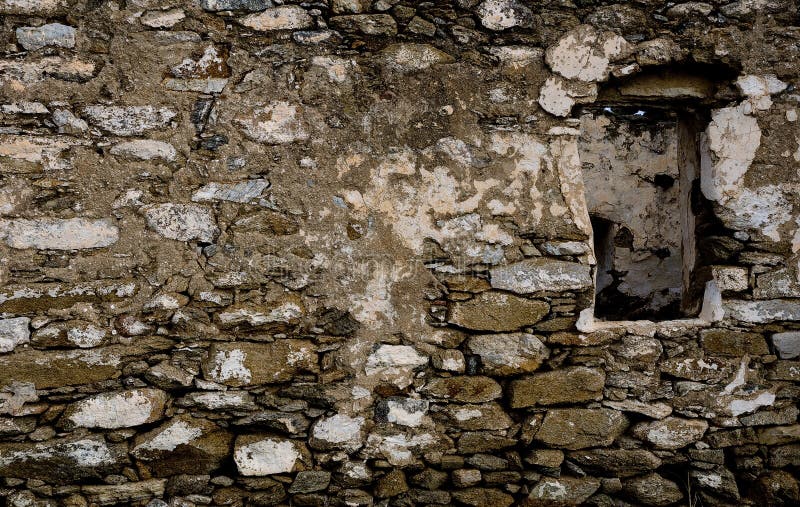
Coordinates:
(639,167)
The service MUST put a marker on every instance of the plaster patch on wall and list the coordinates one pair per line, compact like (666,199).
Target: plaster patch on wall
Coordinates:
(177,433)
(733,139)
(266,457)
(229,365)
(585,54)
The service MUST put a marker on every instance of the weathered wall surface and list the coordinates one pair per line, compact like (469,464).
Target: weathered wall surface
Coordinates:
(336,252)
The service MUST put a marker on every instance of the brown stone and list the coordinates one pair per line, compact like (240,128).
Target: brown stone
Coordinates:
(488,416)
(58,368)
(578,428)
(653,489)
(62,460)
(183,445)
(496,311)
(547,458)
(726,342)
(784,370)
(778,487)
(617,462)
(258,455)
(45,296)
(784,455)
(127,493)
(508,353)
(391,484)
(718,480)
(118,409)
(481,497)
(474,442)
(464,389)
(570,385)
(779,435)
(594,339)
(561,491)
(671,432)
(244,363)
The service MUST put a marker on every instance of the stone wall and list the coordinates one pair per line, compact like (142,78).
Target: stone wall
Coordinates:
(339,253)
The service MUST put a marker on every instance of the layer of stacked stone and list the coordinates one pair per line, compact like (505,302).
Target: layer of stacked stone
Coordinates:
(334,253)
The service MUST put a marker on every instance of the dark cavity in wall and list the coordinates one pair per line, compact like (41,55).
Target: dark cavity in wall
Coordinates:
(640,166)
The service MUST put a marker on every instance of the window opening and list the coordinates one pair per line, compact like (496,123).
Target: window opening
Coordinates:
(640,164)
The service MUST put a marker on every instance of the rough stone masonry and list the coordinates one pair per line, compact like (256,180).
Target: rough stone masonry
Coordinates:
(339,252)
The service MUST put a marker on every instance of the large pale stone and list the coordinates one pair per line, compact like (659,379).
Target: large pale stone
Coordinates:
(338,432)
(509,354)
(128,120)
(500,15)
(557,95)
(754,86)
(539,274)
(18,73)
(244,191)
(759,312)
(570,385)
(284,17)
(496,311)
(14,332)
(182,222)
(585,54)
(240,364)
(145,149)
(259,455)
(52,34)
(671,432)
(278,122)
(58,233)
(578,428)
(787,345)
(183,445)
(22,154)
(123,409)
(63,460)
